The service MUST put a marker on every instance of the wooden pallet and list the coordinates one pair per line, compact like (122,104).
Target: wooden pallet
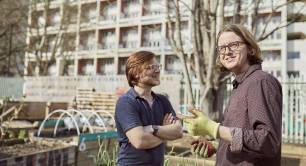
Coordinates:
(89,99)
(31,110)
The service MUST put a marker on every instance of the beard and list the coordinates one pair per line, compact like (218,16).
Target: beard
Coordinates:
(149,81)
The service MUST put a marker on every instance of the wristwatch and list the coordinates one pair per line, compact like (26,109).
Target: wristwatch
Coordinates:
(155,129)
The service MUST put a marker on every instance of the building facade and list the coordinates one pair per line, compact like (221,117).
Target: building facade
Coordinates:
(102,34)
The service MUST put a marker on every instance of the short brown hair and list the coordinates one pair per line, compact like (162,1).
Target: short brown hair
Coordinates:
(135,65)
(248,39)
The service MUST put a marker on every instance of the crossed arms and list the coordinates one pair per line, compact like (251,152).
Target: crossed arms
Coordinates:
(141,137)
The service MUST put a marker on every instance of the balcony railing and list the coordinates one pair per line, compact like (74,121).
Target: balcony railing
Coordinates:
(87,69)
(106,46)
(152,43)
(130,15)
(87,47)
(130,44)
(107,69)
(152,13)
(88,20)
(108,18)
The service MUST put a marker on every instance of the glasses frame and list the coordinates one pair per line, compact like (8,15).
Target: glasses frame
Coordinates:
(154,67)
(229,45)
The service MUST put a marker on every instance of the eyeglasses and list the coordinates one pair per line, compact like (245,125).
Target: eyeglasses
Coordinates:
(233,46)
(154,67)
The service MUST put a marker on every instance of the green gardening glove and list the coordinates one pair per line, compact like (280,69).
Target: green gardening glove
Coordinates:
(200,124)
(204,148)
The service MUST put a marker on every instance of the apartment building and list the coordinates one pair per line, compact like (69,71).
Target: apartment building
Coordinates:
(296,50)
(283,51)
(103,33)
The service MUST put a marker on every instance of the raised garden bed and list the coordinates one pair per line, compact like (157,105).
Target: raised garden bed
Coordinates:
(37,153)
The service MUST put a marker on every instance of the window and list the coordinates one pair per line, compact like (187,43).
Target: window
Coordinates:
(293,55)
(172,64)
(296,35)
(273,55)
(121,65)
(67,67)
(293,73)
(106,66)
(278,73)
(86,67)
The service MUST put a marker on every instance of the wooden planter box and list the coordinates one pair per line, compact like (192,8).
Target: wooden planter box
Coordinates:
(89,145)
(64,156)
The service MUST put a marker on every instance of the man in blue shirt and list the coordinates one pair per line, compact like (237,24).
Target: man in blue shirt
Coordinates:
(144,119)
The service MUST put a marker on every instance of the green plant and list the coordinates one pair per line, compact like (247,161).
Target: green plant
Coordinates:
(107,155)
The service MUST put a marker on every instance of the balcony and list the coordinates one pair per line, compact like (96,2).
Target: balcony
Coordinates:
(266,5)
(87,41)
(108,12)
(271,59)
(106,66)
(271,56)
(274,41)
(130,9)
(129,44)
(121,65)
(54,18)
(152,7)
(88,1)
(129,15)
(172,64)
(106,46)
(107,39)
(185,35)
(67,67)
(87,47)
(107,19)
(50,44)
(69,43)
(52,4)
(86,67)
(229,6)
(184,10)
(128,37)
(151,36)
(71,15)
(152,43)
(88,14)
(38,20)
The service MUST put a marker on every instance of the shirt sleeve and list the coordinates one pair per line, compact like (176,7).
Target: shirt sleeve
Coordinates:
(126,114)
(264,102)
(236,144)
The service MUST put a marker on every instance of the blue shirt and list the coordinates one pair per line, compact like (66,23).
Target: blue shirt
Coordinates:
(132,111)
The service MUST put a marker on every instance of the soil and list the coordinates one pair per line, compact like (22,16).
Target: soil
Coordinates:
(9,142)
(59,134)
(25,148)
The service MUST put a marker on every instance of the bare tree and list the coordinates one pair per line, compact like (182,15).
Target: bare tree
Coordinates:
(49,37)
(13,21)
(207,16)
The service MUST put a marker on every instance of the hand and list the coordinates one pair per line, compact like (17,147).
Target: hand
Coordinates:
(168,119)
(203,147)
(200,124)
